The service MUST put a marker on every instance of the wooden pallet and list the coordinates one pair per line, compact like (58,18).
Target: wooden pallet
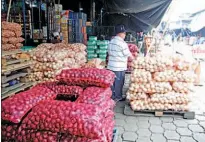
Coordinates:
(15,89)
(16,67)
(5,79)
(8,53)
(184,114)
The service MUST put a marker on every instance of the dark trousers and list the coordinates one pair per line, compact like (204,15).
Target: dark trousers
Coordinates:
(118,84)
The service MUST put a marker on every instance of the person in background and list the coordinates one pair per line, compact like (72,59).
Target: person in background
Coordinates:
(140,38)
(56,38)
(118,53)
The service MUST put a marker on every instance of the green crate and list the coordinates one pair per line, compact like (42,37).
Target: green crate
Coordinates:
(91,43)
(100,51)
(103,47)
(91,47)
(102,56)
(91,51)
(92,38)
(92,56)
(103,59)
(102,42)
(26,48)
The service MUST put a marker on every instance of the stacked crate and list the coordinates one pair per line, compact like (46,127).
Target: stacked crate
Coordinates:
(64,24)
(97,48)
(77,22)
(57,18)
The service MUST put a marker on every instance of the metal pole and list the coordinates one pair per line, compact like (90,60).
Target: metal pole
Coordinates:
(24,19)
(47,18)
(91,10)
(32,24)
(7,18)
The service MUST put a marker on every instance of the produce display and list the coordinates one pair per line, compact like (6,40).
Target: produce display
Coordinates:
(160,83)
(11,36)
(134,50)
(50,59)
(95,63)
(16,107)
(38,114)
(87,77)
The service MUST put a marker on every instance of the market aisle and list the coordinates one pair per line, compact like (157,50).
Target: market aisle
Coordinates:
(165,129)
(156,129)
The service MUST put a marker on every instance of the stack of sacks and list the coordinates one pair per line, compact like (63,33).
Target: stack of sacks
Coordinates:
(11,36)
(134,50)
(50,59)
(62,121)
(95,63)
(160,83)
(98,94)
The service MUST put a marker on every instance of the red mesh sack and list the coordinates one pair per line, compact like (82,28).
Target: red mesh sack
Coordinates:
(4,40)
(8,132)
(7,47)
(70,138)
(63,89)
(87,77)
(16,107)
(14,40)
(7,33)
(95,95)
(66,117)
(36,136)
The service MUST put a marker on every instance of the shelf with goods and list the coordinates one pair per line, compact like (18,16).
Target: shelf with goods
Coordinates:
(160,85)
(15,67)
(73,26)
(31,105)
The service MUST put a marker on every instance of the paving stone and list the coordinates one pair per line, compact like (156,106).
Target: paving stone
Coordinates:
(131,119)
(167,119)
(200,117)
(143,139)
(129,136)
(119,122)
(143,124)
(202,124)
(142,118)
(155,121)
(172,141)
(195,121)
(169,126)
(158,138)
(131,127)
(144,133)
(156,129)
(171,135)
(184,131)
(180,123)
(120,116)
(200,137)
(120,130)
(187,139)
(120,104)
(196,128)
(119,139)
(119,109)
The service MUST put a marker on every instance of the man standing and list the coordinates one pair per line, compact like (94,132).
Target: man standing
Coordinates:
(118,53)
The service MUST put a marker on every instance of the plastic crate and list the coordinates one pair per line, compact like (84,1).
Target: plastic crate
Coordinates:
(92,56)
(101,52)
(26,48)
(102,42)
(103,47)
(91,43)
(102,56)
(91,47)
(92,38)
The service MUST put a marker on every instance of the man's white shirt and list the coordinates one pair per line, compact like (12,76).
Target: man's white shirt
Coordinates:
(118,53)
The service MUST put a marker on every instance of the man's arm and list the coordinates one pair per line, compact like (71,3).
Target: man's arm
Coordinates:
(126,52)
